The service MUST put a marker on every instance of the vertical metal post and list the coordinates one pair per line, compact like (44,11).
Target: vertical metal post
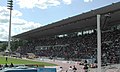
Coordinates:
(98,44)
(9,38)
(10,5)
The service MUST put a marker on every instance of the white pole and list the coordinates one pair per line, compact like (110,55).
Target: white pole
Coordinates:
(98,44)
(9,38)
(10,5)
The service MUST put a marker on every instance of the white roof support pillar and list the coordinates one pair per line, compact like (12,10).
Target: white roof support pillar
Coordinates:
(98,44)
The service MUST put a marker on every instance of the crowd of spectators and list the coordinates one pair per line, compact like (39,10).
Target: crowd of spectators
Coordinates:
(77,47)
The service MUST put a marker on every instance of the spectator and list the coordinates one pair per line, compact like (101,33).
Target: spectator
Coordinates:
(11,65)
(6,65)
(0,67)
(74,69)
(60,69)
(70,69)
(85,68)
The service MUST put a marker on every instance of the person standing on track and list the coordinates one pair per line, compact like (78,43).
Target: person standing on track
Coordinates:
(6,59)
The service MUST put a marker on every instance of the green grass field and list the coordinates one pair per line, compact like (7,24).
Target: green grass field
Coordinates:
(22,61)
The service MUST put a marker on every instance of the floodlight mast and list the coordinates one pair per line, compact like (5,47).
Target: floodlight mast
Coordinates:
(10,7)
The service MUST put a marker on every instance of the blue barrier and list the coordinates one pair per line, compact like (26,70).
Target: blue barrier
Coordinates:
(31,70)
(46,70)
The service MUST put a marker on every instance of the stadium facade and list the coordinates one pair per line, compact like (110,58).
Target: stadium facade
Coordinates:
(75,38)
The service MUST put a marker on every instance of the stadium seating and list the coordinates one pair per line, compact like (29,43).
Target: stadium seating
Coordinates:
(77,47)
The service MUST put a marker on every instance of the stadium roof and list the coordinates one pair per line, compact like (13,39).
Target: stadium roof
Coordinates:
(80,22)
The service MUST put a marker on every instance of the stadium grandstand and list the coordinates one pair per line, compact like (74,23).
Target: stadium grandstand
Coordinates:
(75,38)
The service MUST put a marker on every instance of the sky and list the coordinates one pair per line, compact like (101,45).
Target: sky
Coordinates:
(31,14)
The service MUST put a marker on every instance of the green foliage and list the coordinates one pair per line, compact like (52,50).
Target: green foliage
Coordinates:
(3,46)
(16,43)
